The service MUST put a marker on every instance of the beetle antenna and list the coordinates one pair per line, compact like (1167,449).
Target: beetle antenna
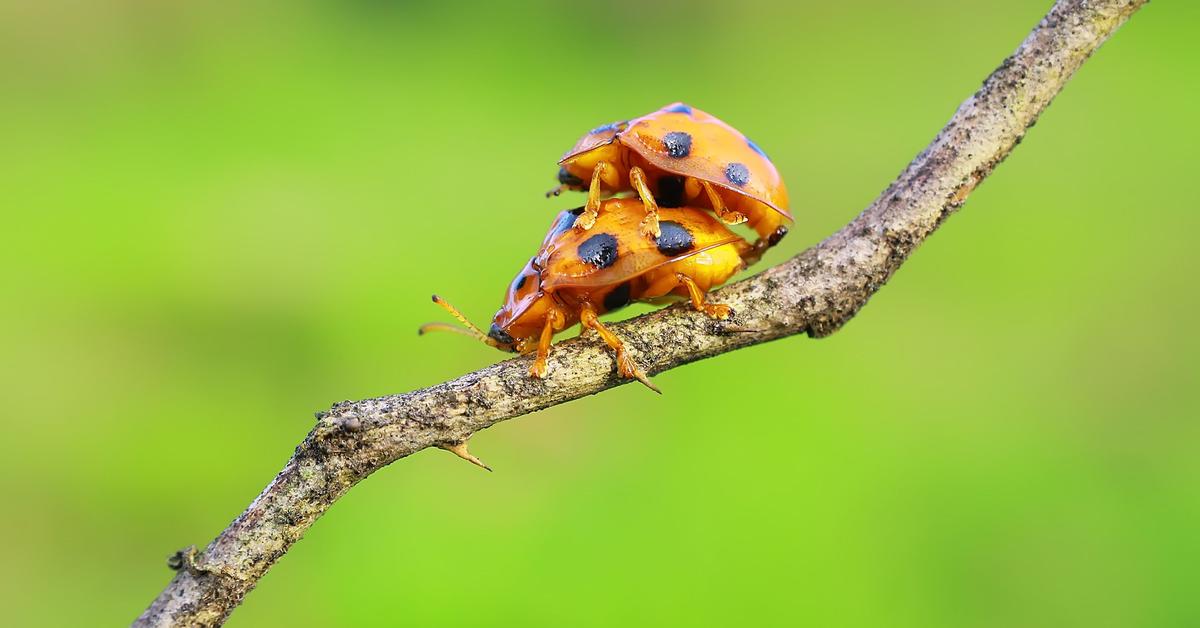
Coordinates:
(470,330)
(446,327)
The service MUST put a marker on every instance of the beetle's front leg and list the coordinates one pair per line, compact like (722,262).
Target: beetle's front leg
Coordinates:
(649,225)
(605,173)
(554,320)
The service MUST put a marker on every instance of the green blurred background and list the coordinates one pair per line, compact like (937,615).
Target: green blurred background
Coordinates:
(219,219)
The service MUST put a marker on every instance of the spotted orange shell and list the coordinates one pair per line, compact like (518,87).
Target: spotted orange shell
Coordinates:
(613,250)
(683,140)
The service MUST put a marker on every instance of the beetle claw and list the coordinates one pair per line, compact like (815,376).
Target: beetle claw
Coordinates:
(718,311)
(731,217)
(538,369)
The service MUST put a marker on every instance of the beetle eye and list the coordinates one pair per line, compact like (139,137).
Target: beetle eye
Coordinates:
(499,335)
(566,178)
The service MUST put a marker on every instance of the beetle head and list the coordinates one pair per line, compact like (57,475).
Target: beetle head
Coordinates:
(517,324)
(525,306)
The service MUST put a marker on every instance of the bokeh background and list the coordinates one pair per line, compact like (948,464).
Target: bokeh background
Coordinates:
(219,218)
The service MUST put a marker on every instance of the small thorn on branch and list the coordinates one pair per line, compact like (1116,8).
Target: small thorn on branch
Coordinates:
(460,449)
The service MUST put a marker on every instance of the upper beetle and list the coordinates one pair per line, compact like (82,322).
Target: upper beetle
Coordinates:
(679,155)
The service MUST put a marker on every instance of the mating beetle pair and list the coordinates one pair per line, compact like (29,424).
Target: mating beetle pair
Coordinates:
(691,175)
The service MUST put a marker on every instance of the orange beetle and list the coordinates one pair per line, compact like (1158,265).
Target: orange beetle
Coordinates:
(578,275)
(680,153)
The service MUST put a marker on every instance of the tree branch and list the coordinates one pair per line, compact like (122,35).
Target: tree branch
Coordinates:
(815,292)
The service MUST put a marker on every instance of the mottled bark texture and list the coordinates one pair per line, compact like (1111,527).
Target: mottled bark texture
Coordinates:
(815,292)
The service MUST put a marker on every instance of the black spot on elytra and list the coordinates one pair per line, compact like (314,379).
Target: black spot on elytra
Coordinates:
(618,298)
(777,235)
(754,147)
(599,250)
(678,144)
(673,238)
(679,108)
(566,178)
(737,173)
(670,192)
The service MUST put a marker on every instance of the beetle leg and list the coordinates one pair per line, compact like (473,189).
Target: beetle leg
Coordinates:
(756,251)
(762,244)
(538,368)
(637,180)
(715,310)
(625,365)
(554,321)
(728,216)
(606,173)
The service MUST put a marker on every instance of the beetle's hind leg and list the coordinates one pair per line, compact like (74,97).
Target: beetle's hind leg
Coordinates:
(715,310)
(626,367)
(762,244)
(649,225)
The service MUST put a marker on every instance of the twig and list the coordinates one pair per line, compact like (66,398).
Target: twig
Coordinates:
(815,292)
